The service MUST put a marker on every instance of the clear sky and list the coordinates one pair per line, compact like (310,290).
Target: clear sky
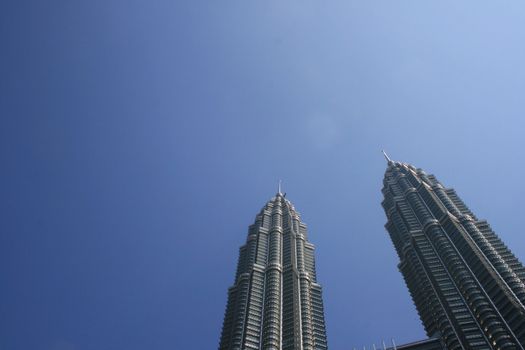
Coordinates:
(139,139)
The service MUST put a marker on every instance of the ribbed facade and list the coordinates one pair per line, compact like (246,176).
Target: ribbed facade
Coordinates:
(275,302)
(466,284)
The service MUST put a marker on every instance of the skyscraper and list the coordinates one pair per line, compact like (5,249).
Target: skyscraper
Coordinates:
(275,302)
(467,286)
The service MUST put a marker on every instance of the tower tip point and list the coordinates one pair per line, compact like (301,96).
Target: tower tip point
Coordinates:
(386,156)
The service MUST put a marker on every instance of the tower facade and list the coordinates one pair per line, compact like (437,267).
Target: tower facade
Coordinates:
(467,286)
(275,302)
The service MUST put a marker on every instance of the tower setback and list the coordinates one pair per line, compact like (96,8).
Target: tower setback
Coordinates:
(467,286)
(275,302)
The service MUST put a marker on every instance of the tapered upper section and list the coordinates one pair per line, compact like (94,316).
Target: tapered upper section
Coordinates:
(466,284)
(275,302)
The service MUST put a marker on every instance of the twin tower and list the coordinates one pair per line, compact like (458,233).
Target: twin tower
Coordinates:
(467,286)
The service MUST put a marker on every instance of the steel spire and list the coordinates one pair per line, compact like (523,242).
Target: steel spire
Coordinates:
(386,156)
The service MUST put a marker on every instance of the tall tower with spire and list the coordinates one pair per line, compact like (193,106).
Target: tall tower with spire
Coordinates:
(275,302)
(467,286)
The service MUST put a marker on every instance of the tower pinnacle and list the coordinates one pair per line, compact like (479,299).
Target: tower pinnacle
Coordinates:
(386,156)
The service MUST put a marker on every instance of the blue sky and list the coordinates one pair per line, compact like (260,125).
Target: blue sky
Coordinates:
(138,140)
